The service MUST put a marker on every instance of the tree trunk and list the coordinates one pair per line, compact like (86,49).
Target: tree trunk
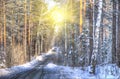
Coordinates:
(118,37)
(25,30)
(81,16)
(4,25)
(91,30)
(114,33)
(96,37)
(0,24)
(29,31)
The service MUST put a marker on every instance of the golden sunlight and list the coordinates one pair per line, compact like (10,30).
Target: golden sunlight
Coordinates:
(57,29)
(58,15)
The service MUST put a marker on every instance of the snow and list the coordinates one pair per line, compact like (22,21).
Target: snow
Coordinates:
(83,73)
(102,72)
(40,58)
(51,65)
(105,71)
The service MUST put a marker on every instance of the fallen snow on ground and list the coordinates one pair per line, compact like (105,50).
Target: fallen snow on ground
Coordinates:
(110,71)
(102,72)
(107,71)
(53,71)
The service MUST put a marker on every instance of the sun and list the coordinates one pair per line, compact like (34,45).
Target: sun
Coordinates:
(58,16)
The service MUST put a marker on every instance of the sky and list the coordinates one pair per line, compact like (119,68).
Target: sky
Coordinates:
(50,3)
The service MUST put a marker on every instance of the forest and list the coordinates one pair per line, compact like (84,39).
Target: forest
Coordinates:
(59,39)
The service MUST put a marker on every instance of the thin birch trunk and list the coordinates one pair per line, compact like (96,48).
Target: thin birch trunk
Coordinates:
(96,38)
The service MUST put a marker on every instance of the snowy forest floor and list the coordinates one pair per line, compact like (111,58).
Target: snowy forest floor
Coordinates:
(52,71)
(40,68)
